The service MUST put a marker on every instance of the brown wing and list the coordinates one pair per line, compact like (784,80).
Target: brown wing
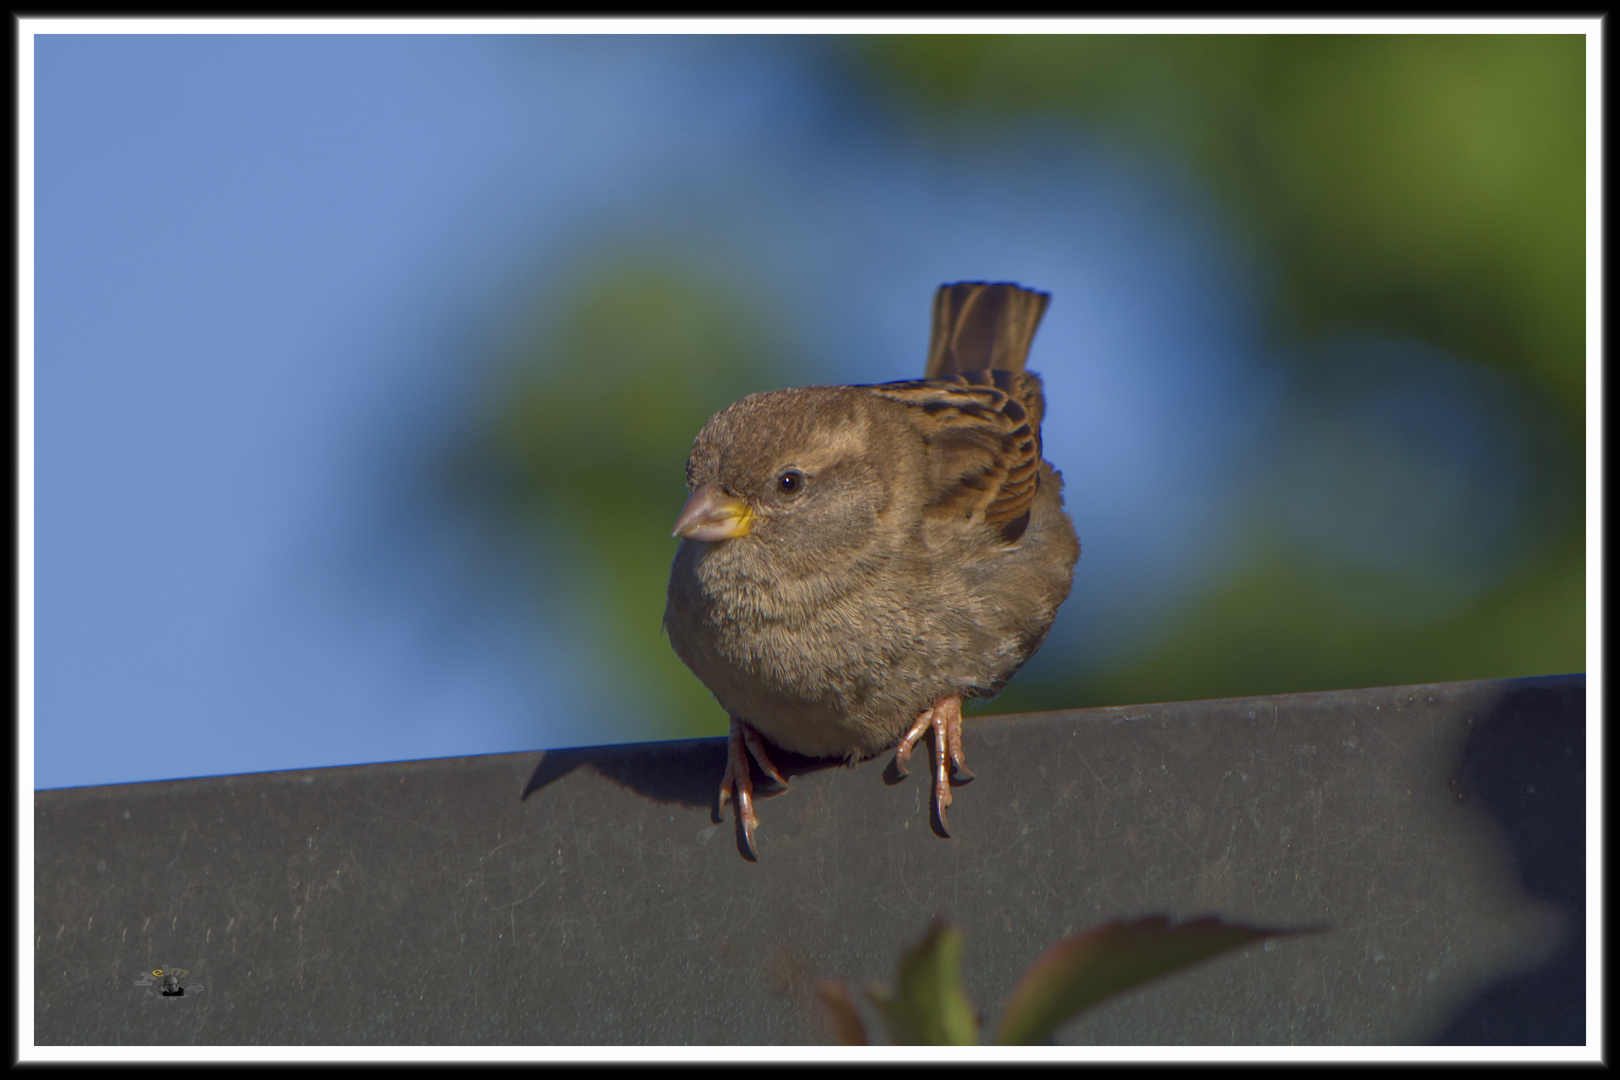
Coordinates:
(982,430)
(979,325)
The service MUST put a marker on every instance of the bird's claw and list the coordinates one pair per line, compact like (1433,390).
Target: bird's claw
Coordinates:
(743,743)
(944,719)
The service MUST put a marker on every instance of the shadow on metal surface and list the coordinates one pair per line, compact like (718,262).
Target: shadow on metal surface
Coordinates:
(1525,765)
(686,773)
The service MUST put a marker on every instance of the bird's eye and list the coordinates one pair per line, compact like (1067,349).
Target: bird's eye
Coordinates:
(790,483)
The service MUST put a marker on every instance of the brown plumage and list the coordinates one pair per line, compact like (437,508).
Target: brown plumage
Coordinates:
(855,560)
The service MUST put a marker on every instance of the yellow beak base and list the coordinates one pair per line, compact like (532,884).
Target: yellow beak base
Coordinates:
(712,515)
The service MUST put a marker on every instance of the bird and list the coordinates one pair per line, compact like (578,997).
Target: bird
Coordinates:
(855,561)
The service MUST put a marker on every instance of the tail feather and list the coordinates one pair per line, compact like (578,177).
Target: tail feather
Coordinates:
(980,326)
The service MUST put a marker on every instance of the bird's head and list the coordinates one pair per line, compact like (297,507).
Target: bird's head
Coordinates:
(803,474)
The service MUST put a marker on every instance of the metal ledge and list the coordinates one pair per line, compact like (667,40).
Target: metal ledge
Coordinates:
(585,896)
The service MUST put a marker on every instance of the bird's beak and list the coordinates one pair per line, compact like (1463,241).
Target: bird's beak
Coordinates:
(710,514)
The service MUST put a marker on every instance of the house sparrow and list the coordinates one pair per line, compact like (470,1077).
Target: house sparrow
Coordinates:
(856,560)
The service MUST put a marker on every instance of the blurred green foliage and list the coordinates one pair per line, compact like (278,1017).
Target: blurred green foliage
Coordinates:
(928,1005)
(587,432)
(1280,626)
(1431,186)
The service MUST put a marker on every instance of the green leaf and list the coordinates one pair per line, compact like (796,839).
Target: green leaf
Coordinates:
(930,1008)
(839,1009)
(1082,970)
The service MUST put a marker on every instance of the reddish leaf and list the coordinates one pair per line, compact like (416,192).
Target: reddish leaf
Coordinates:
(1082,970)
(839,1008)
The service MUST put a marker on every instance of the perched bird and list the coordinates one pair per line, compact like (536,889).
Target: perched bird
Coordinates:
(856,560)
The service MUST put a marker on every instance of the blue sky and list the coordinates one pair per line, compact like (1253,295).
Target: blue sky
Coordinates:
(268,267)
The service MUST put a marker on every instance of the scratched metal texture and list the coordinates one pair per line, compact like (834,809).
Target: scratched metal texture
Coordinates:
(585,896)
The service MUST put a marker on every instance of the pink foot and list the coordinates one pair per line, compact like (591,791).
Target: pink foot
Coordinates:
(945,720)
(743,743)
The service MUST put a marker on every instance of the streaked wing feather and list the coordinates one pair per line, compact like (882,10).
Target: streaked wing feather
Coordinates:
(982,430)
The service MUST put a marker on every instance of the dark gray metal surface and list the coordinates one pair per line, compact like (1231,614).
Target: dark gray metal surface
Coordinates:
(585,896)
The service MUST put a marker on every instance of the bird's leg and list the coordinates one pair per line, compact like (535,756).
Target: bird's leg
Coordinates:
(902,749)
(953,739)
(945,720)
(756,747)
(743,742)
(942,774)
